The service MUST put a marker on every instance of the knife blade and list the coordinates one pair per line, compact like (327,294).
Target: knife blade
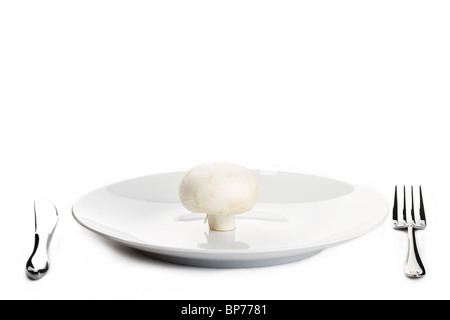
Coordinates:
(45,219)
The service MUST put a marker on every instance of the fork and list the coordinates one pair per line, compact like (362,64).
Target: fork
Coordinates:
(414,267)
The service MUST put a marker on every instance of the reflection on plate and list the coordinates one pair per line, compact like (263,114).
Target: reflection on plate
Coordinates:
(216,240)
(296,216)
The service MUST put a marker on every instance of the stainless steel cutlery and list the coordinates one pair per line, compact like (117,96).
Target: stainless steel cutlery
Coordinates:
(408,219)
(410,222)
(46,219)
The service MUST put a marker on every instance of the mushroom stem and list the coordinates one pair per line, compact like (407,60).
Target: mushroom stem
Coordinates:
(221,222)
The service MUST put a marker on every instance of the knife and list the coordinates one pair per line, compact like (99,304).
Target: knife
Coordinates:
(45,219)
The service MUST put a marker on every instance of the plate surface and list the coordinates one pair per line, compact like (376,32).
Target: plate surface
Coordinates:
(296,216)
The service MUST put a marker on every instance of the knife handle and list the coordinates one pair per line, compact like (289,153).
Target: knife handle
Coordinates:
(38,264)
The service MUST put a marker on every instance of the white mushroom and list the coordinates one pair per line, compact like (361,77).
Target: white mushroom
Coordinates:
(220,190)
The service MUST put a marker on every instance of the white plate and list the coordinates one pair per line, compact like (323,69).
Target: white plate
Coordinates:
(296,216)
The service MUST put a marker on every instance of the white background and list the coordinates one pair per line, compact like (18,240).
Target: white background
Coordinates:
(92,92)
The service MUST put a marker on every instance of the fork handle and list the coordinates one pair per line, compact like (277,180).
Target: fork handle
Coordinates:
(414,267)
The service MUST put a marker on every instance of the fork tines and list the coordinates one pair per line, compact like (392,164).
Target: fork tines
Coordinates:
(423,220)
(406,221)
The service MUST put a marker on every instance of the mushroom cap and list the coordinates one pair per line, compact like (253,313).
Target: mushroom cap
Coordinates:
(218,188)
